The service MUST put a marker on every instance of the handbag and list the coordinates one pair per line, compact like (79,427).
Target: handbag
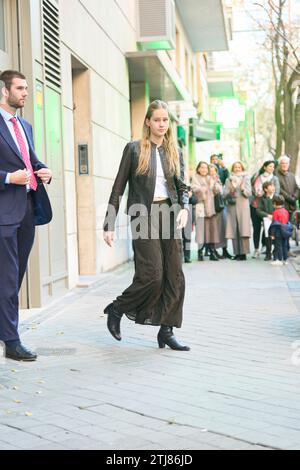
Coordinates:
(231,200)
(219,202)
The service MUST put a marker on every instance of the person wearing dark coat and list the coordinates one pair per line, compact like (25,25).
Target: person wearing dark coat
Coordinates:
(24,203)
(266,173)
(158,204)
(280,231)
(265,209)
(289,188)
(223,172)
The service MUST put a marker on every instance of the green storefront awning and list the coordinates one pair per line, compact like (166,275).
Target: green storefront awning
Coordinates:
(205,130)
(181,135)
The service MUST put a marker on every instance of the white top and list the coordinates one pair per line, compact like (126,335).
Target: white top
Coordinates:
(161,184)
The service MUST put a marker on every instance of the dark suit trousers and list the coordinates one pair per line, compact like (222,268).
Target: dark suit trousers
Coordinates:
(15,245)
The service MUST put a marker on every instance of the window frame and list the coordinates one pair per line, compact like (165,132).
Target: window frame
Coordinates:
(3,47)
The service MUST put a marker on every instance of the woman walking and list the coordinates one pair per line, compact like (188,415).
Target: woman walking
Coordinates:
(205,188)
(237,192)
(158,204)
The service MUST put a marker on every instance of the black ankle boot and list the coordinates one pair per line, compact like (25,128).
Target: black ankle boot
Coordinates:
(200,255)
(226,254)
(213,256)
(113,321)
(166,337)
(187,256)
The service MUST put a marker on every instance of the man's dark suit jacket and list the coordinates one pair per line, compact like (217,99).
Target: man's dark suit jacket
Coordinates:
(13,200)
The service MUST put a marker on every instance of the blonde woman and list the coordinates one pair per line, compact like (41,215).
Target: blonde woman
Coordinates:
(205,188)
(158,204)
(237,192)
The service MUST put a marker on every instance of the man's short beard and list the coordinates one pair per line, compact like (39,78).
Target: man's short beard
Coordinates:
(13,104)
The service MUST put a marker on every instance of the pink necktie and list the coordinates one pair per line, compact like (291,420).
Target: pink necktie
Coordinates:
(24,154)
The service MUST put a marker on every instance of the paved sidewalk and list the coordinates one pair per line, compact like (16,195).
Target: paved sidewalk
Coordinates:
(238,387)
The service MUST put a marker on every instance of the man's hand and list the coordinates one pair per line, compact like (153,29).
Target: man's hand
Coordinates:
(20,177)
(109,238)
(45,174)
(182,219)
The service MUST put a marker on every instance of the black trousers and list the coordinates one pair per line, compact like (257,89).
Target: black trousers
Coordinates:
(156,294)
(257,226)
(15,245)
(281,246)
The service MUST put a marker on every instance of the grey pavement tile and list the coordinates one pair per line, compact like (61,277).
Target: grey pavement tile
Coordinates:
(50,446)
(237,381)
(5,446)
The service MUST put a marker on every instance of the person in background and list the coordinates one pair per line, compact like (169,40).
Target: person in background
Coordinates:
(221,219)
(289,188)
(237,192)
(187,231)
(266,173)
(207,232)
(264,211)
(218,161)
(280,231)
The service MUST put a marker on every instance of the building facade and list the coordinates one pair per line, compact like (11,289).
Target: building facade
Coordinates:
(92,67)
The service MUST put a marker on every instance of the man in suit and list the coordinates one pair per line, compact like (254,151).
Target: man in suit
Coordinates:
(23,204)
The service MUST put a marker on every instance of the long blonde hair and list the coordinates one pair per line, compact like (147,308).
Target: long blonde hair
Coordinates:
(169,144)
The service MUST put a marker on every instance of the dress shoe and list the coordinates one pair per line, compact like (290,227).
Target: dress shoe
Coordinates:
(113,321)
(213,256)
(166,337)
(20,353)
(218,255)
(227,255)
(200,255)
(187,260)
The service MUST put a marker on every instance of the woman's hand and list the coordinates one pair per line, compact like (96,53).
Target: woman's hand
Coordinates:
(109,238)
(233,183)
(182,218)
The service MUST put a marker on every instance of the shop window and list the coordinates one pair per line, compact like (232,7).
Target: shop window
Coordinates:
(2,32)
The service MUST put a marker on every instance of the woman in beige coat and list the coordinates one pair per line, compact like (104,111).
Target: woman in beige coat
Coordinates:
(237,192)
(207,232)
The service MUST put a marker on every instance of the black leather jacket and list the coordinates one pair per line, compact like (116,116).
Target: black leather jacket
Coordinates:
(142,187)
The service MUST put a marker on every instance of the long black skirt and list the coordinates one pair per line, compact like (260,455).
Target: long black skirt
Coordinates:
(156,294)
